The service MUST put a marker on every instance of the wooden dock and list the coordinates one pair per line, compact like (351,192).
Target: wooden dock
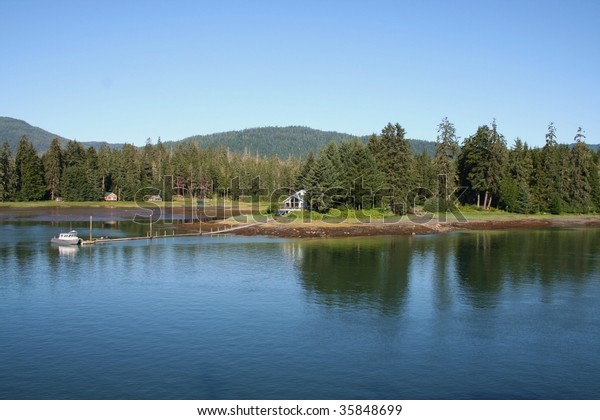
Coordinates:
(97,241)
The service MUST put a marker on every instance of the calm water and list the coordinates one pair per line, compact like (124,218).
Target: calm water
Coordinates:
(467,315)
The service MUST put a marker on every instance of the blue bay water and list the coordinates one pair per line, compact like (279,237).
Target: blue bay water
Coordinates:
(511,314)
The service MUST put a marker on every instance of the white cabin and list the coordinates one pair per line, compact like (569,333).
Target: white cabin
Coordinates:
(295,201)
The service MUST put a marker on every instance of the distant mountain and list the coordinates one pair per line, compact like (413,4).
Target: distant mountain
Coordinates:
(285,141)
(12,130)
(266,141)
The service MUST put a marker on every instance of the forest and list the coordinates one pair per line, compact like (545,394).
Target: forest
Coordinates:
(385,173)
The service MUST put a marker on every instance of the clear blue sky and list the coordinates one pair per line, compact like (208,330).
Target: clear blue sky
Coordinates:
(128,70)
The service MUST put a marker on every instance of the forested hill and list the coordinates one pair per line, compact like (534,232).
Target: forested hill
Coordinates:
(285,141)
(12,130)
(293,141)
(266,141)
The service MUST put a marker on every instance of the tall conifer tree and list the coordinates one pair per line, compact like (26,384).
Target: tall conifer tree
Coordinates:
(446,153)
(397,163)
(581,166)
(53,167)
(29,170)
(8,174)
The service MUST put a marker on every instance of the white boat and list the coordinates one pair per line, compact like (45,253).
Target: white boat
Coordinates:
(69,238)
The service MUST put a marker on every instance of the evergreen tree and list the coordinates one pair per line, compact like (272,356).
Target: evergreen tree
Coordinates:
(564,175)
(29,171)
(127,173)
(521,172)
(581,168)
(74,184)
(74,154)
(323,179)
(446,153)
(302,181)
(427,183)
(595,181)
(482,165)
(549,174)
(396,162)
(92,175)
(105,168)
(159,162)
(53,168)
(473,164)
(81,179)
(8,174)
(374,145)
(498,162)
(360,177)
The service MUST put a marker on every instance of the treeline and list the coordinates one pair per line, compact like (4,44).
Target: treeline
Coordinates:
(383,173)
(75,173)
(483,171)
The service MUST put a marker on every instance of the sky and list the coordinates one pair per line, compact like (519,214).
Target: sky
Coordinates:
(126,71)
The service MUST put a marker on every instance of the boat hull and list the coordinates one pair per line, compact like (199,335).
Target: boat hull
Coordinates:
(70,241)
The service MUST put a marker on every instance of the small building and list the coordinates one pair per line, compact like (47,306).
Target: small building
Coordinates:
(295,201)
(155,198)
(110,196)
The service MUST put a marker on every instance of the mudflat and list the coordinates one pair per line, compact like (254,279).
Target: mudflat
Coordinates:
(217,218)
(321,230)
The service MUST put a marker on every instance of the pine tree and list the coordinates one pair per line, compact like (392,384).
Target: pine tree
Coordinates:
(372,179)
(92,175)
(482,165)
(595,181)
(53,168)
(581,166)
(396,161)
(105,167)
(521,172)
(498,162)
(549,174)
(74,185)
(324,179)
(8,174)
(374,145)
(29,171)
(446,153)
(427,184)
(360,176)
(74,154)
(473,164)
(301,181)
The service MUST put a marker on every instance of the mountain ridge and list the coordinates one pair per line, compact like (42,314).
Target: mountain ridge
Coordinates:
(266,141)
(287,141)
(13,129)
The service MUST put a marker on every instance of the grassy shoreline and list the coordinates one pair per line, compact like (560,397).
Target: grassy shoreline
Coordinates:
(466,213)
(250,222)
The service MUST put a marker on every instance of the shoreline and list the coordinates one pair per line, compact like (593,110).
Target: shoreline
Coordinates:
(224,218)
(402,228)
